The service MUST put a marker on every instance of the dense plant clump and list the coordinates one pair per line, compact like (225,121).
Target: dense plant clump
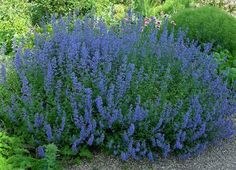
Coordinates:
(209,24)
(120,88)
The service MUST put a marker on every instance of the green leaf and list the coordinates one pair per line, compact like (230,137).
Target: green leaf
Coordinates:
(85,153)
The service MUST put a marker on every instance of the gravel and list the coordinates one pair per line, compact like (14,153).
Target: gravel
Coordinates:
(220,157)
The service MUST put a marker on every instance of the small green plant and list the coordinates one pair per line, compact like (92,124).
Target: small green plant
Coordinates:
(51,157)
(209,24)
(85,153)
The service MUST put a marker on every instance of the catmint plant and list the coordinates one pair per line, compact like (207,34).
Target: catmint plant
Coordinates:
(138,93)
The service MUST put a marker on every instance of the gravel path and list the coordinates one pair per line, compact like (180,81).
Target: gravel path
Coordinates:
(215,158)
(221,157)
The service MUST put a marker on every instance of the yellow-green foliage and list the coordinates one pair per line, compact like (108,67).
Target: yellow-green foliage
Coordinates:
(119,11)
(14,20)
(146,7)
(172,6)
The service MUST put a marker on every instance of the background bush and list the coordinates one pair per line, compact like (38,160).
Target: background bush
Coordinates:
(120,88)
(228,5)
(172,6)
(209,24)
(14,21)
(42,8)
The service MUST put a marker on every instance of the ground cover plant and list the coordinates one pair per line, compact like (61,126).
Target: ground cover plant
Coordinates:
(119,89)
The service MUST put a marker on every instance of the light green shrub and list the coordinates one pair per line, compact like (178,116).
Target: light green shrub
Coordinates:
(209,24)
(14,21)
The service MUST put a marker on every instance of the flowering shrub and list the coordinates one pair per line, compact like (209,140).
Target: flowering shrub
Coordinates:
(118,88)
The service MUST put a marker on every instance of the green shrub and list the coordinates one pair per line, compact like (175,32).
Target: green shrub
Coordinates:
(14,21)
(209,24)
(41,8)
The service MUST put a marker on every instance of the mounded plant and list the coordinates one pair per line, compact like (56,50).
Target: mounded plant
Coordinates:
(209,24)
(122,89)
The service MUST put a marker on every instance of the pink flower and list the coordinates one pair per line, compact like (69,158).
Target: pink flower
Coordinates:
(146,21)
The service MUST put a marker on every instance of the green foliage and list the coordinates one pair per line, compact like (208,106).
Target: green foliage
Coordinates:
(12,153)
(14,21)
(4,165)
(209,24)
(9,145)
(119,11)
(50,159)
(172,6)
(41,8)
(103,8)
(227,64)
(146,7)
(85,153)
(106,9)
(111,12)
(14,156)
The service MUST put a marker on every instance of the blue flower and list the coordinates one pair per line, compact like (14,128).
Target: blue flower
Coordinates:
(41,152)
(90,141)
(124,156)
(48,130)
(131,129)
(3,73)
